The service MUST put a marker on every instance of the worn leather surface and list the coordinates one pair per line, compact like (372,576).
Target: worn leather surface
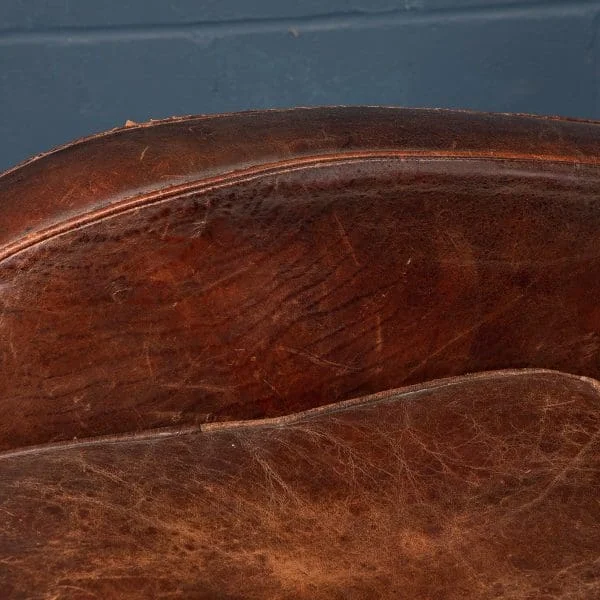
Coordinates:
(412,245)
(166,286)
(476,487)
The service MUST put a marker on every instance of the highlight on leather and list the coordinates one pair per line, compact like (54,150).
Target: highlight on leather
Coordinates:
(237,358)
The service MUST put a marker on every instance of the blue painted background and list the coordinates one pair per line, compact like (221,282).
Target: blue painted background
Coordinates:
(72,67)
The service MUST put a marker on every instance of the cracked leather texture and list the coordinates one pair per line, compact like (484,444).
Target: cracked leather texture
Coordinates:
(201,320)
(477,487)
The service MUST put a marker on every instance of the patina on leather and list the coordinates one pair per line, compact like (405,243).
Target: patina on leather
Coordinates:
(477,487)
(166,286)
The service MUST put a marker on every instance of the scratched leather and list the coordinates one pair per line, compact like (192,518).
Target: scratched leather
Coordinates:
(476,487)
(302,285)
(154,156)
(175,296)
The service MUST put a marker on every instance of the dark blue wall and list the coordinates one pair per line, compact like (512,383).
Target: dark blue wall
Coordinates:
(72,67)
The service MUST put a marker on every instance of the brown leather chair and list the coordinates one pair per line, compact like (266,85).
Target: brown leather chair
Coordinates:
(313,353)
